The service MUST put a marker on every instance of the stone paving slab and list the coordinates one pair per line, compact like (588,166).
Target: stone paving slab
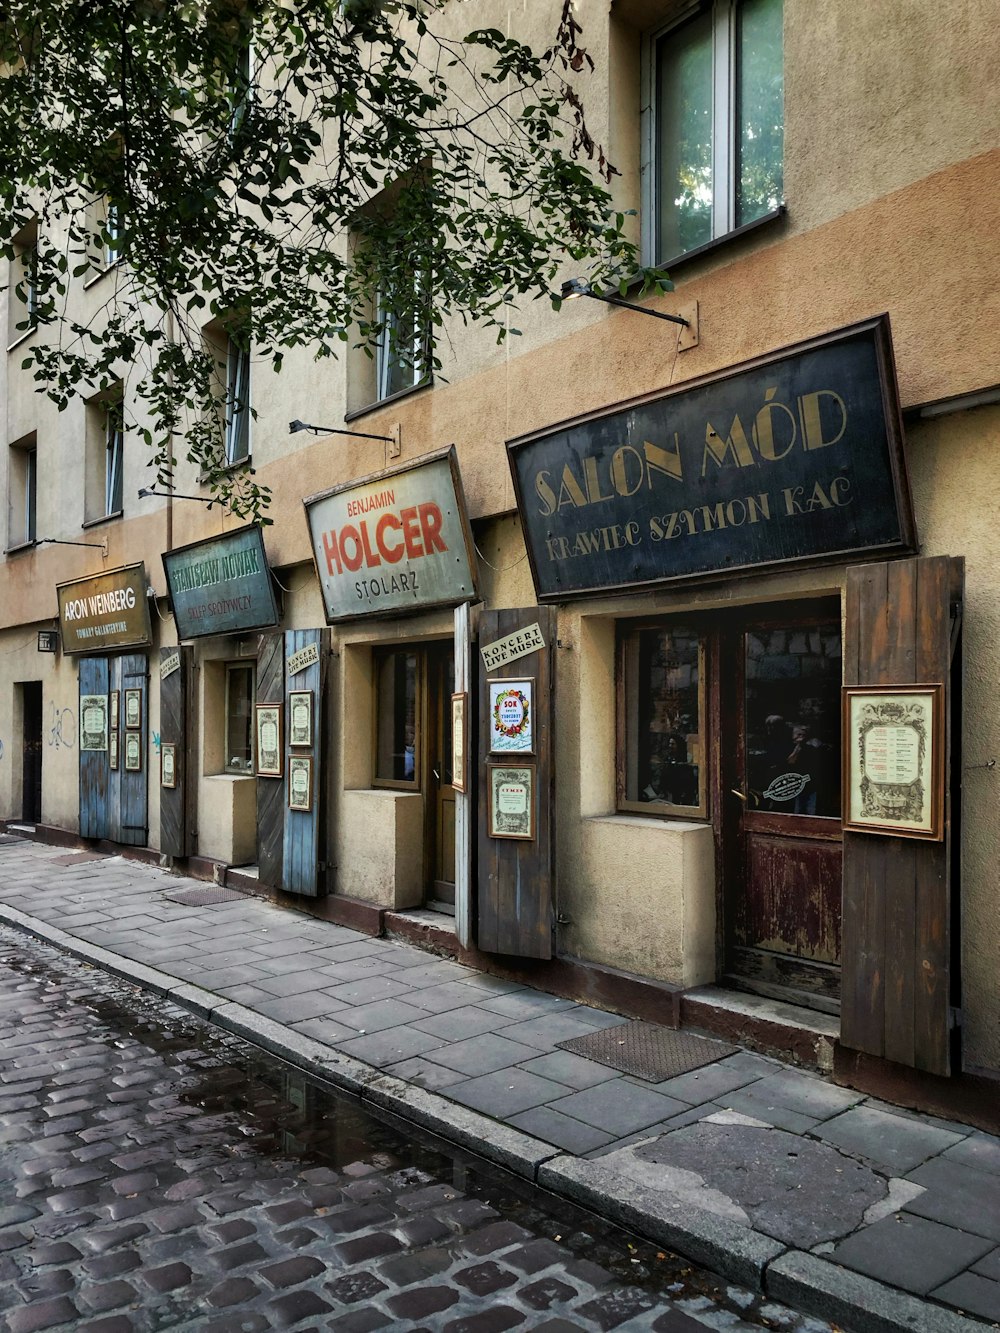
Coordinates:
(472,1058)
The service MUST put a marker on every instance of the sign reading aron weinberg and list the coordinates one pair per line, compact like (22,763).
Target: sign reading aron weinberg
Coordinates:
(221,586)
(792,458)
(106,613)
(393,542)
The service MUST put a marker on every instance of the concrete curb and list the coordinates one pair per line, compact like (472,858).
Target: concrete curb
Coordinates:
(725,1247)
(818,1287)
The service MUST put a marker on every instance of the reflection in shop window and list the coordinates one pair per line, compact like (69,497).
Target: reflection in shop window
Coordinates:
(396,718)
(664,722)
(793,678)
(239,718)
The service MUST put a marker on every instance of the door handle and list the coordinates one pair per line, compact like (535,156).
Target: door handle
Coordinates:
(741,794)
(437,775)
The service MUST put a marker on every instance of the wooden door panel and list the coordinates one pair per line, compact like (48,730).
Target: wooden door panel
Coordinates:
(94,770)
(792,903)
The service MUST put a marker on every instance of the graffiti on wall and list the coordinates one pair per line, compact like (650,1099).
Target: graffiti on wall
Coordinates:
(62,729)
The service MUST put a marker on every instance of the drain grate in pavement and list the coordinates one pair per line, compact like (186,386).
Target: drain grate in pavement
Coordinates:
(647,1050)
(204,897)
(75,858)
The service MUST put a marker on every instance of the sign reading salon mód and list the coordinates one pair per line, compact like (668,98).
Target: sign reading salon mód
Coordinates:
(396,541)
(221,586)
(793,458)
(106,613)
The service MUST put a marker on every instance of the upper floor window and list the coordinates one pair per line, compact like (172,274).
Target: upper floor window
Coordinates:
(22,463)
(114,440)
(112,233)
(237,405)
(716,132)
(22,305)
(401,350)
(104,480)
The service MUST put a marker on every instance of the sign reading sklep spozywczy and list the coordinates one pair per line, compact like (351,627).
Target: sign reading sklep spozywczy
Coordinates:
(393,542)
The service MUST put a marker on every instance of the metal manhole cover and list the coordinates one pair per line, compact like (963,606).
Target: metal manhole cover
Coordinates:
(204,897)
(647,1050)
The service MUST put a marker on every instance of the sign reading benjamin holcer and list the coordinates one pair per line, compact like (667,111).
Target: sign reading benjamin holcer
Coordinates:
(396,541)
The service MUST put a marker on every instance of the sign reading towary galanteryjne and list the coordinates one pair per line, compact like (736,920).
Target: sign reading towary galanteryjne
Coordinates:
(105,613)
(792,458)
(394,542)
(221,586)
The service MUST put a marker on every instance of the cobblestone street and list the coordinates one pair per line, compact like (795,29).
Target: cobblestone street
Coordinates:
(156,1174)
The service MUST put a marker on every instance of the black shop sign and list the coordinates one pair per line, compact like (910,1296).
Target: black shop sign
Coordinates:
(792,458)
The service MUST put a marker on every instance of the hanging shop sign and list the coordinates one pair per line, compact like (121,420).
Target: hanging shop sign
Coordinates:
(792,458)
(105,613)
(396,541)
(221,586)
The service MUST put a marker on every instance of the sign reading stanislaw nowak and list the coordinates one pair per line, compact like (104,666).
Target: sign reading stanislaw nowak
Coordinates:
(394,542)
(795,457)
(221,586)
(106,612)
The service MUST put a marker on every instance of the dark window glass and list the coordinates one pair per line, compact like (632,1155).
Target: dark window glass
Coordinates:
(665,728)
(239,719)
(684,136)
(396,717)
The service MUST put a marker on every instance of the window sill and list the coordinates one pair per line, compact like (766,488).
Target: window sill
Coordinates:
(359,412)
(22,338)
(231,777)
(104,518)
(103,273)
(720,242)
(667,823)
(20,547)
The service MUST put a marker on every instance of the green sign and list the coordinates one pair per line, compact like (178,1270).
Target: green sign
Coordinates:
(221,586)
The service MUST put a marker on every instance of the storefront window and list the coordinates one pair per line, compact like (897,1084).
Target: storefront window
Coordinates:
(239,718)
(396,718)
(663,722)
(793,680)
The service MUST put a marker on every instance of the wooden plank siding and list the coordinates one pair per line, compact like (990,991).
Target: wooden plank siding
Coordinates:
(94,771)
(899,973)
(270,791)
(302,850)
(174,730)
(133,825)
(515,901)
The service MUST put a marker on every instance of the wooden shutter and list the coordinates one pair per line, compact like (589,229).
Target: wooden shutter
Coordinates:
(465,802)
(175,826)
(94,770)
(515,878)
(130,814)
(270,791)
(302,847)
(900,980)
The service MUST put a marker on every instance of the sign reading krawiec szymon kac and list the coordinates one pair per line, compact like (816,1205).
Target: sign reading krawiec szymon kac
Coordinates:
(795,457)
(392,542)
(106,612)
(221,586)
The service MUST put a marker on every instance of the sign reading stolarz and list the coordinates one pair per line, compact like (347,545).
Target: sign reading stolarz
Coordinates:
(221,586)
(106,613)
(793,458)
(396,541)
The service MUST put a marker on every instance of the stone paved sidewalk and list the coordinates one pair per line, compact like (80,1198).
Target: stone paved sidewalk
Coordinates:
(837,1204)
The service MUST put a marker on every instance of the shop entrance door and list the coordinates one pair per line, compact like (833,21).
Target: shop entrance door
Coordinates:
(439,813)
(781,795)
(31,762)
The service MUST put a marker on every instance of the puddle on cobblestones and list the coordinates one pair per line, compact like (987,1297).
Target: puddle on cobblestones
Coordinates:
(246,1105)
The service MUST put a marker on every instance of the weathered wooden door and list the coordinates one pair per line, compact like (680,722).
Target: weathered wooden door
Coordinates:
(176,802)
(31,751)
(128,786)
(781,706)
(94,770)
(515,890)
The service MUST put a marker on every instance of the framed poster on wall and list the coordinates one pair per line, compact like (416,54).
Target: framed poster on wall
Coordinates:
(93,722)
(512,716)
(459,741)
(133,752)
(133,709)
(300,782)
(114,696)
(894,767)
(168,765)
(113,751)
(511,801)
(300,717)
(268,720)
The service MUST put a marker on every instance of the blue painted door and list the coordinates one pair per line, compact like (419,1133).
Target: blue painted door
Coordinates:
(302,851)
(94,771)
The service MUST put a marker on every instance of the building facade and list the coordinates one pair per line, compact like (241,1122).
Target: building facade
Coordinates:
(650,656)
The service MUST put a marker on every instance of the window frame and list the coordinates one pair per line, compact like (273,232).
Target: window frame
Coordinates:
(387,358)
(228,767)
(22,271)
(627,635)
(379,655)
(114,457)
(725,132)
(236,409)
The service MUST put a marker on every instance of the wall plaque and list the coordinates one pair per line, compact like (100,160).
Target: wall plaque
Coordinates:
(106,612)
(893,771)
(221,586)
(792,458)
(397,541)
